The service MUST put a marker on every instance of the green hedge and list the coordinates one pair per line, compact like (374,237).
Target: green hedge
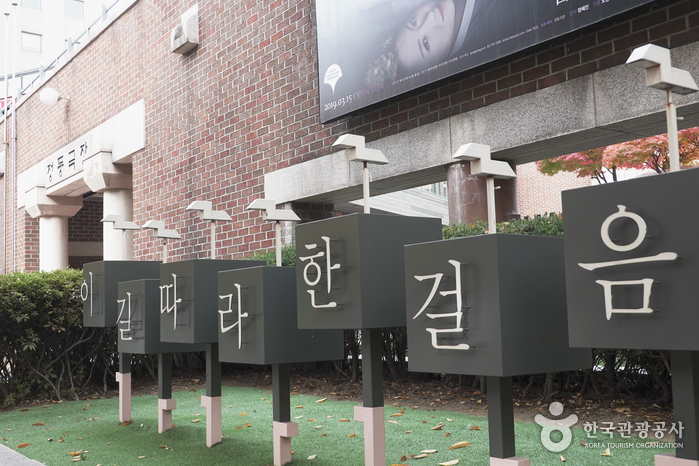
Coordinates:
(44,350)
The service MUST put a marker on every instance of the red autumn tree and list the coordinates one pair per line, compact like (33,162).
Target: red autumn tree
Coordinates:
(642,154)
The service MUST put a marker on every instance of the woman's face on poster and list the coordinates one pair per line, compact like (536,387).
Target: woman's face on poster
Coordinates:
(426,39)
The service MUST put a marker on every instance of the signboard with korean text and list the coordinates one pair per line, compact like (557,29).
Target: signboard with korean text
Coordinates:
(138,323)
(370,51)
(490,305)
(349,269)
(257,320)
(632,258)
(67,162)
(189,299)
(100,286)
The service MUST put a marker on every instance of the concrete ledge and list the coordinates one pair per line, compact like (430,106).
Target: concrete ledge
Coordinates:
(581,114)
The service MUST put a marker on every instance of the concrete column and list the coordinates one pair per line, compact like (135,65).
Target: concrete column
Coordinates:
(467,196)
(115,181)
(118,244)
(53,243)
(53,213)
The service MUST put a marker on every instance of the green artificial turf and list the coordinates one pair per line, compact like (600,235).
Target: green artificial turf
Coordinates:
(95,428)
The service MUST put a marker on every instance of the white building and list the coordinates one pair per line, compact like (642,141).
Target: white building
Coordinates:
(33,33)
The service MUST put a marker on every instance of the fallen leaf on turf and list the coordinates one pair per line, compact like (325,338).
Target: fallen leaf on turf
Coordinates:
(563,459)
(321,400)
(324,435)
(449,463)
(23,410)
(396,464)
(343,420)
(298,417)
(141,457)
(420,456)
(424,422)
(242,414)
(436,427)
(408,431)
(394,422)
(22,445)
(239,427)
(404,458)
(60,440)
(76,453)
(317,427)
(196,420)
(396,414)
(163,446)
(352,435)
(447,434)
(429,451)
(475,428)
(582,442)
(312,457)
(298,407)
(311,420)
(459,445)
(124,424)
(606,453)
(247,424)
(39,424)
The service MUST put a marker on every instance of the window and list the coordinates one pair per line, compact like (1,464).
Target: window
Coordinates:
(74,8)
(31,42)
(32,3)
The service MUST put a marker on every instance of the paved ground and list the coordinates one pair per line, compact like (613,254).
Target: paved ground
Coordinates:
(9,457)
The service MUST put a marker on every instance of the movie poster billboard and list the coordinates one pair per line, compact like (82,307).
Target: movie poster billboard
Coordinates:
(372,50)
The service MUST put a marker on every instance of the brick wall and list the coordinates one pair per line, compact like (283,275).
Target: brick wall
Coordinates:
(86,225)
(245,103)
(539,194)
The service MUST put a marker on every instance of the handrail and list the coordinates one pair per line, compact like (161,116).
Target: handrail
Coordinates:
(68,51)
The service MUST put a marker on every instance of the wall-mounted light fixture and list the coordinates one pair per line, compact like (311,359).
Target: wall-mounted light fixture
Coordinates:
(50,96)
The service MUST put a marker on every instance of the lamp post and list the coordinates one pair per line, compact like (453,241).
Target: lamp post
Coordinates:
(207,213)
(661,75)
(359,153)
(125,226)
(270,212)
(481,164)
(162,232)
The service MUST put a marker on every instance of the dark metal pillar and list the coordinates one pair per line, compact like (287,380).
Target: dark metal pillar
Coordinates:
(372,374)
(281,393)
(501,417)
(685,395)
(213,370)
(164,376)
(125,363)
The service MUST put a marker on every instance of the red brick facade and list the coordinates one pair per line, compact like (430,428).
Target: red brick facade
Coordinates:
(245,103)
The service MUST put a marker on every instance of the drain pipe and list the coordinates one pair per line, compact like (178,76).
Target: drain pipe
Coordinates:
(14,138)
(7,150)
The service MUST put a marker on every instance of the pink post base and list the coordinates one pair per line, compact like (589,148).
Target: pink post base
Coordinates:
(283,431)
(374,434)
(124,396)
(213,419)
(669,459)
(511,461)
(165,407)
